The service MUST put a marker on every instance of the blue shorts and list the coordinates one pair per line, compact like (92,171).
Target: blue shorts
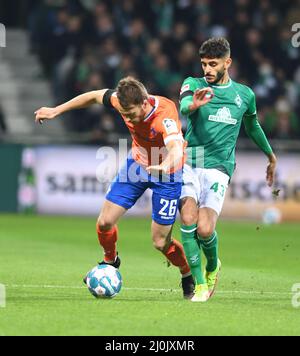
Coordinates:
(132,182)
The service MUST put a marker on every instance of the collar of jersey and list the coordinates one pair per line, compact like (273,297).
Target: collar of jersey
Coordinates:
(156,103)
(220,86)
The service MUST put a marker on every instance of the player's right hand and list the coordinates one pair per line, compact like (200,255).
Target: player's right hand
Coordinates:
(202,97)
(45,114)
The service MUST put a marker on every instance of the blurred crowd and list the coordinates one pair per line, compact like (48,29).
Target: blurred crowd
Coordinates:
(91,44)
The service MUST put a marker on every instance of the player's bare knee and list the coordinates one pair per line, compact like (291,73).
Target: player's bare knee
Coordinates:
(159,245)
(188,212)
(189,219)
(205,232)
(105,224)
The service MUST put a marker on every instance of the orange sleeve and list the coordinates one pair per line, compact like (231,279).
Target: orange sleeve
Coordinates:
(169,126)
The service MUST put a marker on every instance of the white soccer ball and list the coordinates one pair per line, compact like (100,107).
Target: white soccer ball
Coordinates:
(104,281)
(272,216)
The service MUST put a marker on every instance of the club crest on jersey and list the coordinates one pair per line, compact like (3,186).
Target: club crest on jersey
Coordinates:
(223,116)
(170,126)
(238,100)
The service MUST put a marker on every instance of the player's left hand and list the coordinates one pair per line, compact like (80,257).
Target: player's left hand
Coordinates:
(271,170)
(155,169)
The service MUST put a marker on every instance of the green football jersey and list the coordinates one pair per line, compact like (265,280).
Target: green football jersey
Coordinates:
(214,128)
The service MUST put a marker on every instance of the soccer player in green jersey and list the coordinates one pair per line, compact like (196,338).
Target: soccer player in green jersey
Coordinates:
(215,107)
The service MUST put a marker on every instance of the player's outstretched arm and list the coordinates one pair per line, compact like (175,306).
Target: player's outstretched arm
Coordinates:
(80,102)
(174,158)
(256,133)
(271,169)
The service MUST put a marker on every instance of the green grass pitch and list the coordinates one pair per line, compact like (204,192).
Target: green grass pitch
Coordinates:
(43,260)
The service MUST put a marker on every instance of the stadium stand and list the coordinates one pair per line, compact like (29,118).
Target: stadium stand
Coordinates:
(85,45)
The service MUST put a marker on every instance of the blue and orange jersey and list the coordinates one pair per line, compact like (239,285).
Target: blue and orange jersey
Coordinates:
(151,136)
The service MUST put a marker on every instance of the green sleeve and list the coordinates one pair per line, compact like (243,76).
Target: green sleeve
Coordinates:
(253,128)
(185,104)
(251,104)
(186,95)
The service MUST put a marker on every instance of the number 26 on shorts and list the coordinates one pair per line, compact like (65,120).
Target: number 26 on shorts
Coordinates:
(169,207)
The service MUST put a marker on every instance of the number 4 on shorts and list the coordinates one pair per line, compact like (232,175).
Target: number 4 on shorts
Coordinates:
(215,187)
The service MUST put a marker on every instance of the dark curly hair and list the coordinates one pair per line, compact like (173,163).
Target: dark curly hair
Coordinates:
(215,48)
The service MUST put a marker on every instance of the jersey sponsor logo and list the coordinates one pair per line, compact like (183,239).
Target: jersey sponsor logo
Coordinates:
(223,116)
(170,126)
(185,88)
(238,100)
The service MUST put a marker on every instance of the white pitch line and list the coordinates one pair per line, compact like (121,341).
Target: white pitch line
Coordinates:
(262,293)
